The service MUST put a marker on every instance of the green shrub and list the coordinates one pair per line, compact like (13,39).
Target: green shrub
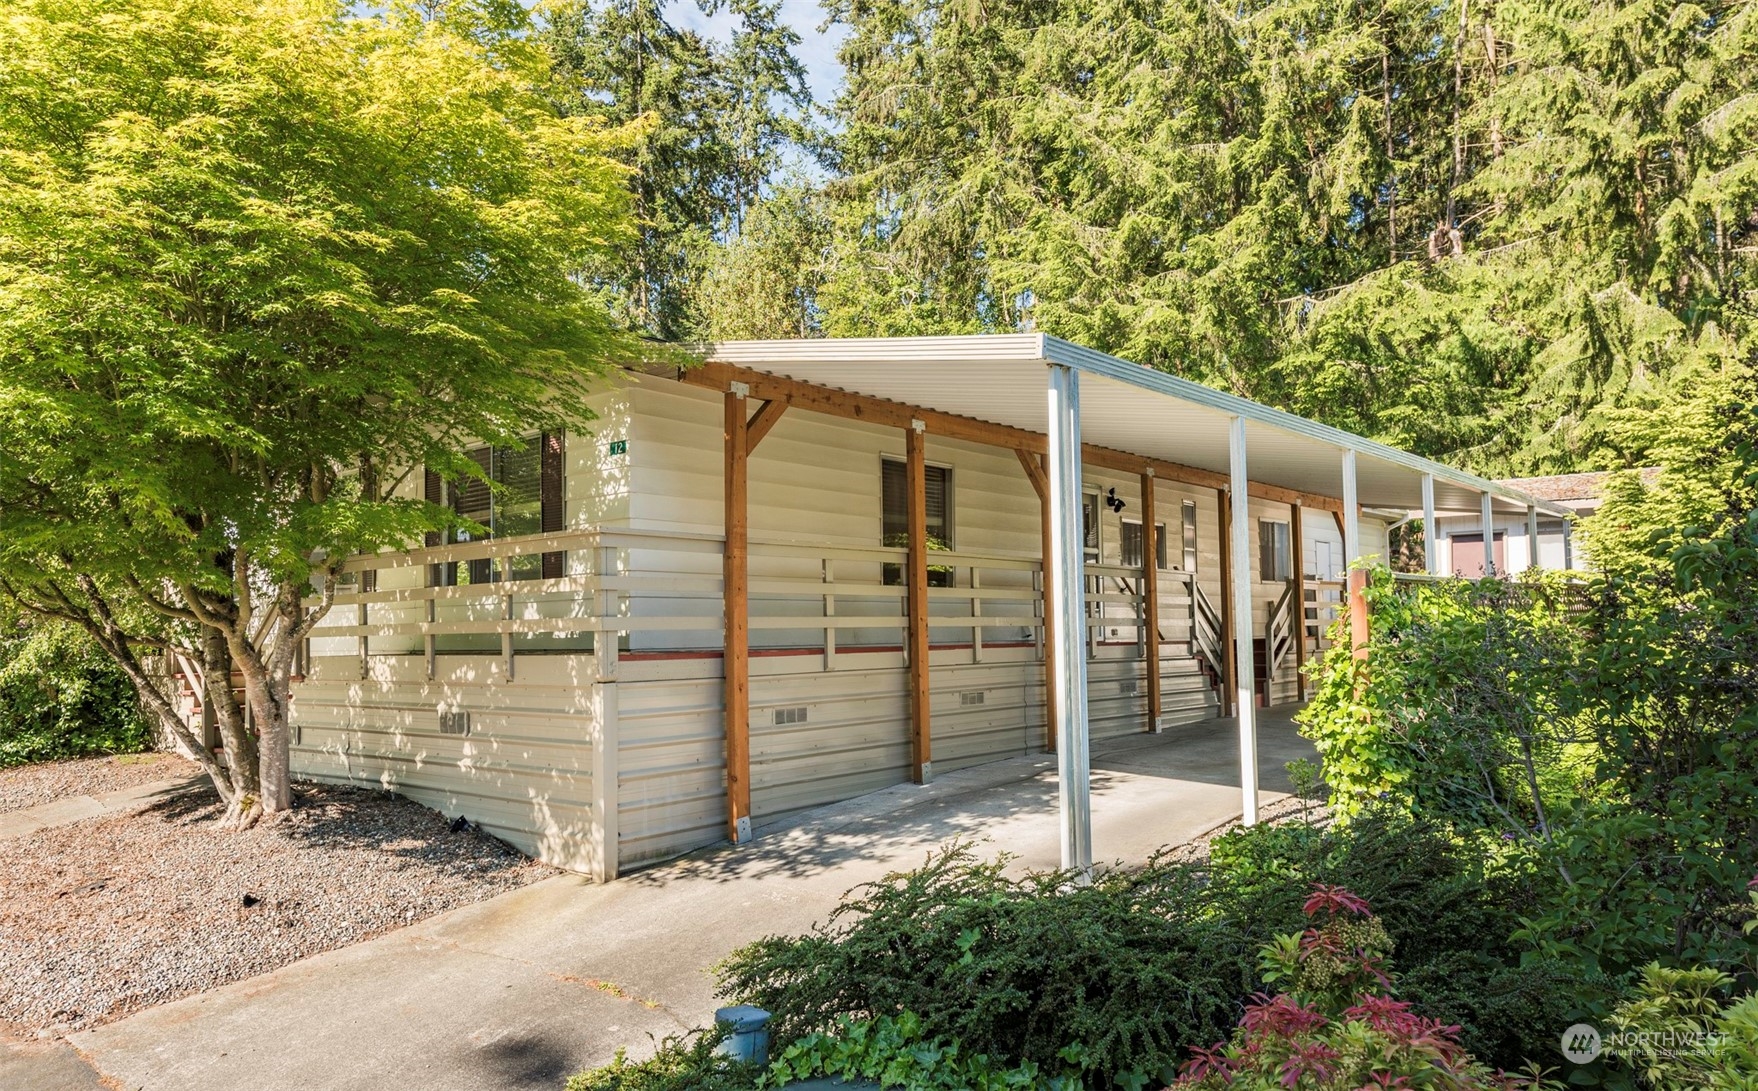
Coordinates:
(61,697)
(1462,708)
(1449,909)
(686,1063)
(1115,978)
(1675,1031)
(892,1052)
(1334,1025)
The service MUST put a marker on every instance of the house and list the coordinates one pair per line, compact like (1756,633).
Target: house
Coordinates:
(1459,538)
(803,571)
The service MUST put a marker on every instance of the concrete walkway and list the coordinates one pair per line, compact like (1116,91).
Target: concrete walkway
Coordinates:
(28,820)
(525,989)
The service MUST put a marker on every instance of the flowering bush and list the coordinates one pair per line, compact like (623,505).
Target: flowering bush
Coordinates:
(1335,1026)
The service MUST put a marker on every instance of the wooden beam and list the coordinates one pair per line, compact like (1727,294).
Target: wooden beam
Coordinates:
(1150,583)
(762,421)
(1225,519)
(736,659)
(880,411)
(1297,554)
(1035,474)
(1040,479)
(916,469)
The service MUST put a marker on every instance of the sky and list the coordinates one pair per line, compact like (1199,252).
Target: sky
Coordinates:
(817,51)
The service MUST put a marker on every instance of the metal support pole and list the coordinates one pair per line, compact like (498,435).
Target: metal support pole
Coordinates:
(1068,621)
(1489,535)
(1431,551)
(1351,513)
(1245,704)
(1532,560)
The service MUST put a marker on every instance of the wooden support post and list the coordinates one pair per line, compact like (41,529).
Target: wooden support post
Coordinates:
(1150,589)
(1297,558)
(1358,615)
(915,447)
(1350,522)
(1532,559)
(1038,474)
(736,584)
(1224,504)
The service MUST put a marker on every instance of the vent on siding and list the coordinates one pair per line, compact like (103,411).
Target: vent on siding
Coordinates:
(454,721)
(795,715)
(971,697)
(1129,687)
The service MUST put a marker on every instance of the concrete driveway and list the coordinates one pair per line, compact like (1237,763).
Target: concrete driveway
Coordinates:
(523,990)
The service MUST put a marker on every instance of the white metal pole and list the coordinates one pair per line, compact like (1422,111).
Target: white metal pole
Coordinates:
(1246,684)
(1532,537)
(1489,536)
(1067,622)
(1431,546)
(1351,513)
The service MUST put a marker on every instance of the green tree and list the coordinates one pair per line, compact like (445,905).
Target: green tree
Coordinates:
(764,282)
(257,261)
(715,121)
(1477,230)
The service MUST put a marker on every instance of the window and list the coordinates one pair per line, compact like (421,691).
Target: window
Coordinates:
(1190,535)
(1274,559)
(1132,544)
(895,515)
(517,507)
(1089,525)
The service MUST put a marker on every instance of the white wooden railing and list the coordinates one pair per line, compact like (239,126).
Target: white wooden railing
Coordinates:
(630,592)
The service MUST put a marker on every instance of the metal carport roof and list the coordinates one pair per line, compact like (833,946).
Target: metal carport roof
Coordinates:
(1000,378)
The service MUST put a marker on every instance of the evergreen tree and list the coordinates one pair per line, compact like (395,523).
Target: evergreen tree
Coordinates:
(716,121)
(1479,230)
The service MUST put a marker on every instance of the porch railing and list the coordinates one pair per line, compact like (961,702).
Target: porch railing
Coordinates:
(654,593)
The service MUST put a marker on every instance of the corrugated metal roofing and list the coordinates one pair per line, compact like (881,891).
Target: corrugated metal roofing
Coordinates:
(1001,378)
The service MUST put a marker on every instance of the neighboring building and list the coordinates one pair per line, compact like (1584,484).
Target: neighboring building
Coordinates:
(1459,537)
(700,616)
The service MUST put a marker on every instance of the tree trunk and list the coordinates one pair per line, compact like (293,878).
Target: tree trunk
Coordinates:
(244,804)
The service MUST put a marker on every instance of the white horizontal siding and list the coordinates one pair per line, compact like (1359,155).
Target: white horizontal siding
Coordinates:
(524,771)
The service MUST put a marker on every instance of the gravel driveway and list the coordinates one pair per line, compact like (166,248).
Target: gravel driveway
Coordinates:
(106,916)
(47,781)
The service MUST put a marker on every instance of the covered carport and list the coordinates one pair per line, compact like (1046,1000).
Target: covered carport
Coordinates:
(1056,403)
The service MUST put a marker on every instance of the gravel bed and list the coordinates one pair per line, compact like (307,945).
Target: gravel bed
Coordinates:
(107,916)
(45,782)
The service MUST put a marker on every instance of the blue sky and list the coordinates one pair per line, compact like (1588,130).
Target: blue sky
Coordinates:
(817,51)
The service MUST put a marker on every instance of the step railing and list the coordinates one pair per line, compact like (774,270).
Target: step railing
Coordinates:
(1209,633)
(1281,630)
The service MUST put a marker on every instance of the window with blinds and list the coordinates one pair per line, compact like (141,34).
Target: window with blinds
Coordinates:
(1190,536)
(516,507)
(936,483)
(895,516)
(1089,524)
(1275,561)
(1133,544)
